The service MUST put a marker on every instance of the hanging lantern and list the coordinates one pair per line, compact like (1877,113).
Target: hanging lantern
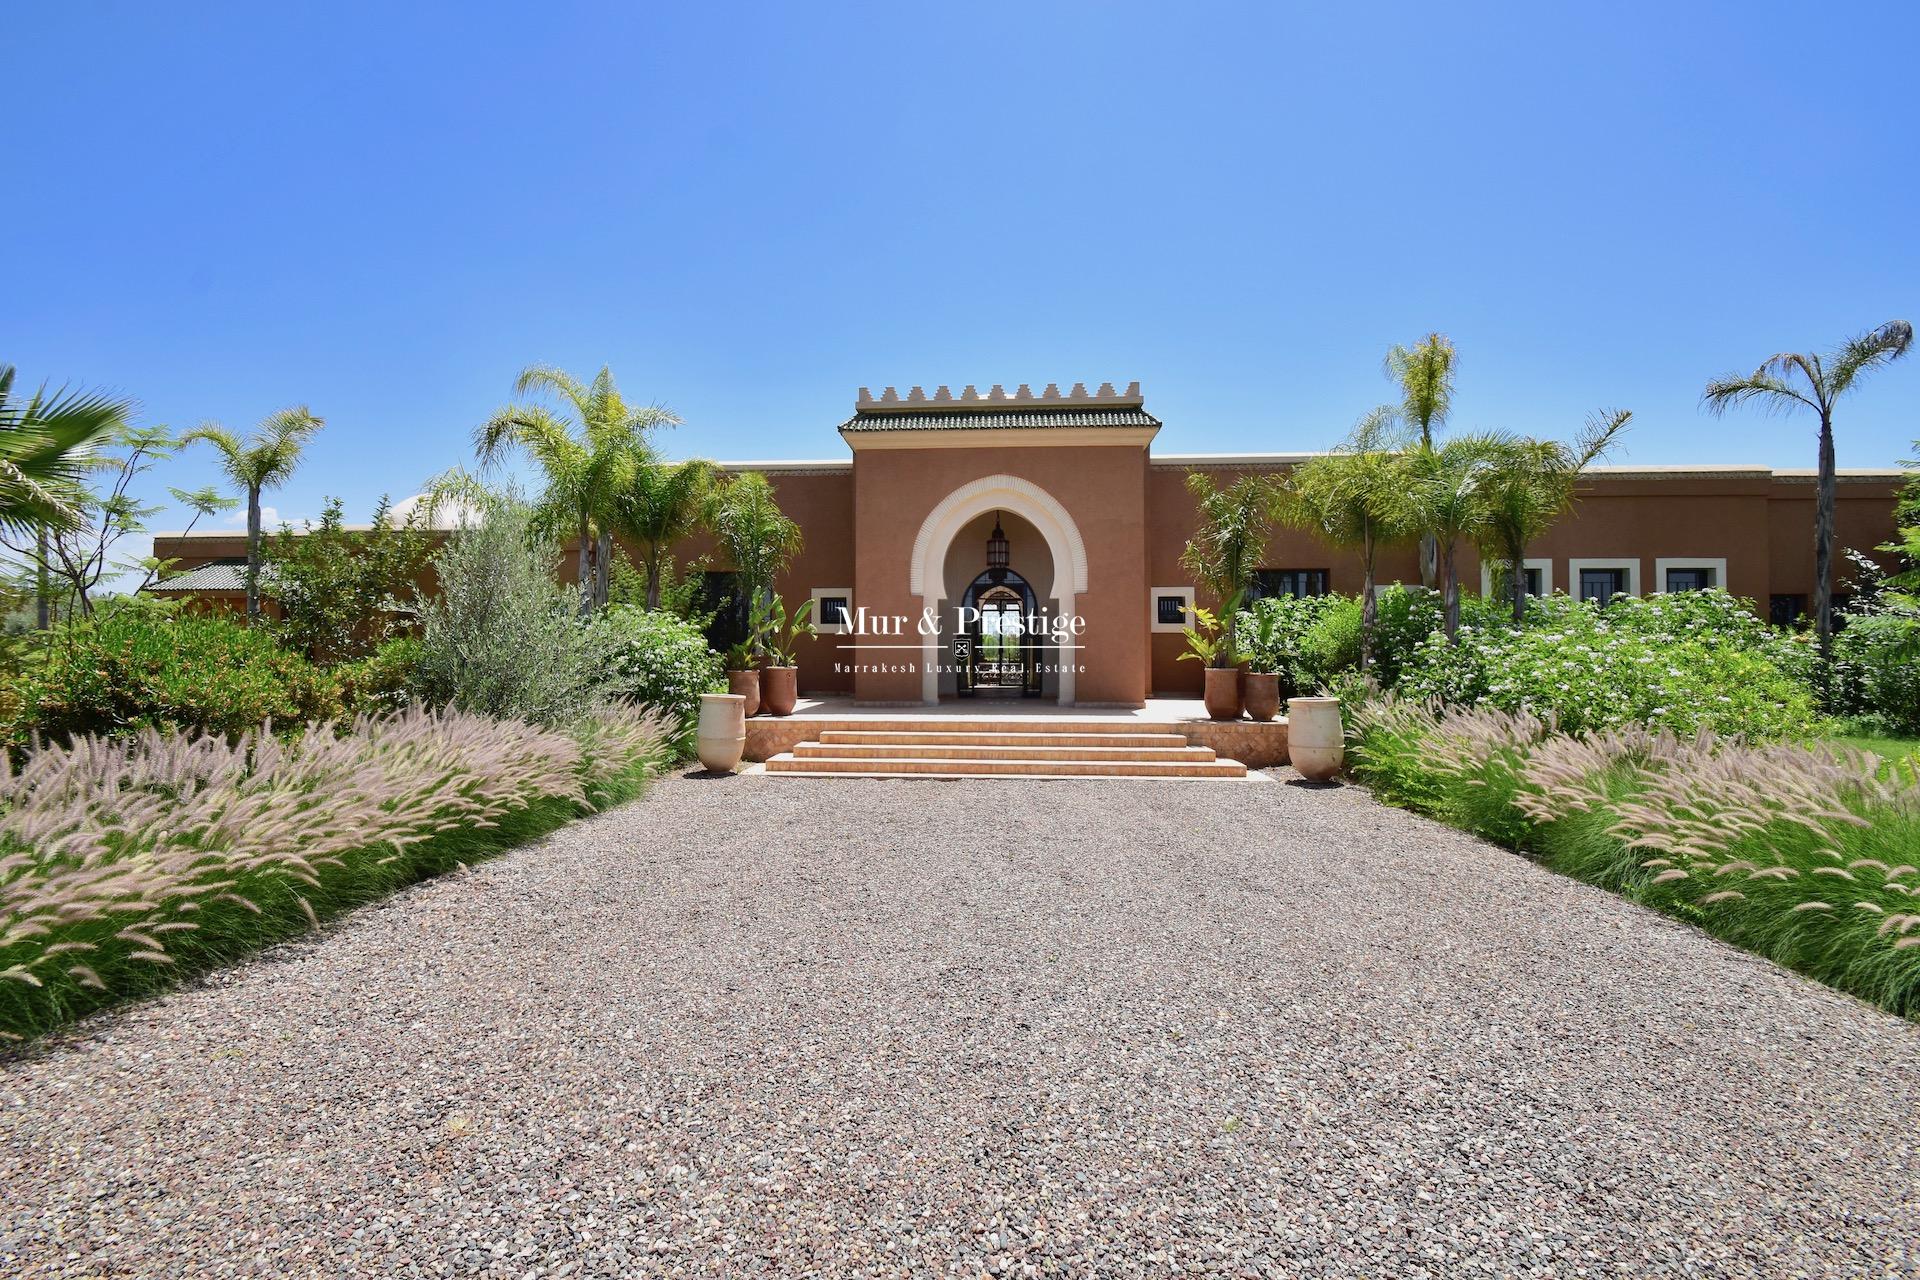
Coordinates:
(997,551)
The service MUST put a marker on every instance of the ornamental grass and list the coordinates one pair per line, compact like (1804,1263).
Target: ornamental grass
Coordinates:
(127,863)
(1808,854)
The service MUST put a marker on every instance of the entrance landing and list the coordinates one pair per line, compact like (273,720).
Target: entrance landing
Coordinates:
(1168,737)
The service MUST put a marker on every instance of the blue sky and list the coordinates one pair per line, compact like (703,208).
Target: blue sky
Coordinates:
(749,211)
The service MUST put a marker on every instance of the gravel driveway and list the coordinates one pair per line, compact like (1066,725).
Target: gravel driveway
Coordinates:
(790,1026)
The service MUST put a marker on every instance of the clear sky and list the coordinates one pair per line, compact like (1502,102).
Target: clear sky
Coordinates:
(384,211)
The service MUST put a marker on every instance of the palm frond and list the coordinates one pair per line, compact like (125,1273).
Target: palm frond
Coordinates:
(1867,351)
(1774,395)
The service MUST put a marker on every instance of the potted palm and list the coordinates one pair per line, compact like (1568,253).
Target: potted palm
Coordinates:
(760,540)
(743,677)
(1211,643)
(780,637)
(1260,632)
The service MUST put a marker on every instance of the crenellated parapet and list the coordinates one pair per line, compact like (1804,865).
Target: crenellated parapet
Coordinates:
(917,400)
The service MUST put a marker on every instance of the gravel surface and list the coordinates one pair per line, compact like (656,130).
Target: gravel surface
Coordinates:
(791,1026)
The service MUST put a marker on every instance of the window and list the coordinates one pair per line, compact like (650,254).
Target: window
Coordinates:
(1539,575)
(1287,582)
(1602,580)
(1169,608)
(1602,585)
(1789,610)
(1689,573)
(720,593)
(832,608)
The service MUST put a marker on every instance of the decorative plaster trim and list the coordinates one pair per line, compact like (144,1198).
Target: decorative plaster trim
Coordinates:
(998,397)
(830,628)
(1158,627)
(1663,563)
(1010,493)
(1630,564)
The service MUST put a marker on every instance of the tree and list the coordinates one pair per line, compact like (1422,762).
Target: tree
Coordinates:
(1226,547)
(343,591)
(265,460)
(1352,498)
(588,453)
(1815,382)
(1906,543)
(204,501)
(662,504)
(1442,498)
(46,453)
(756,535)
(1526,485)
(1424,372)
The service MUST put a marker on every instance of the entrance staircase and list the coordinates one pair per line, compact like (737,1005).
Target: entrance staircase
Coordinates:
(953,747)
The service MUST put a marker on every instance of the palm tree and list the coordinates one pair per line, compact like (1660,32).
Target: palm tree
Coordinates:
(1425,374)
(663,503)
(1225,549)
(589,452)
(757,536)
(1351,498)
(1528,484)
(1815,382)
(46,452)
(1442,498)
(265,460)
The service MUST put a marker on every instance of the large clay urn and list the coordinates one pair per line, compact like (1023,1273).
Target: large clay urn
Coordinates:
(779,690)
(747,685)
(1223,693)
(721,737)
(1316,740)
(1262,695)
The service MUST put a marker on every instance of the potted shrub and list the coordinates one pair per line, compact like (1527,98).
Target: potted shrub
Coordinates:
(1211,644)
(780,637)
(1260,634)
(743,677)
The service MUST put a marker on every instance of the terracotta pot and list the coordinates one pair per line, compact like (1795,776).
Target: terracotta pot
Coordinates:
(747,685)
(1223,693)
(779,690)
(721,738)
(1262,695)
(1316,739)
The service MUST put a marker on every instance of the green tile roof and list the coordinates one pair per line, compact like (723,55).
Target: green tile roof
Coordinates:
(1015,419)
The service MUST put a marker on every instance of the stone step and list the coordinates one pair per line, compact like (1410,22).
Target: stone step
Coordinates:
(984,724)
(1004,736)
(1002,750)
(893,766)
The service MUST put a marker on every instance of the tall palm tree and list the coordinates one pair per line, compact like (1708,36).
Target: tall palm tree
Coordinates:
(588,450)
(1442,497)
(264,460)
(1528,484)
(662,504)
(1424,373)
(1351,498)
(758,537)
(1815,382)
(46,451)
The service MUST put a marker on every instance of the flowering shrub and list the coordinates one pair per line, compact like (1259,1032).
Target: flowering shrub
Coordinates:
(1805,854)
(1274,633)
(1668,662)
(126,862)
(659,660)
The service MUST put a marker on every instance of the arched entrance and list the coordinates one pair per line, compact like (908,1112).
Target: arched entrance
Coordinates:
(953,513)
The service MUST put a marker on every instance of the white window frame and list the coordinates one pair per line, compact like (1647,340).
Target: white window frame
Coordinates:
(1544,566)
(1631,565)
(831,628)
(1718,565)
(1153,609)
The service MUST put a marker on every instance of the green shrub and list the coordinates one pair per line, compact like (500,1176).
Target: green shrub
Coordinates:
(1665,662)
(502,637)
(383,680)
(658,660)
(128,668)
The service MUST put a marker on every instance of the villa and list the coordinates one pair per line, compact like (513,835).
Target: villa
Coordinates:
(1022,543)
